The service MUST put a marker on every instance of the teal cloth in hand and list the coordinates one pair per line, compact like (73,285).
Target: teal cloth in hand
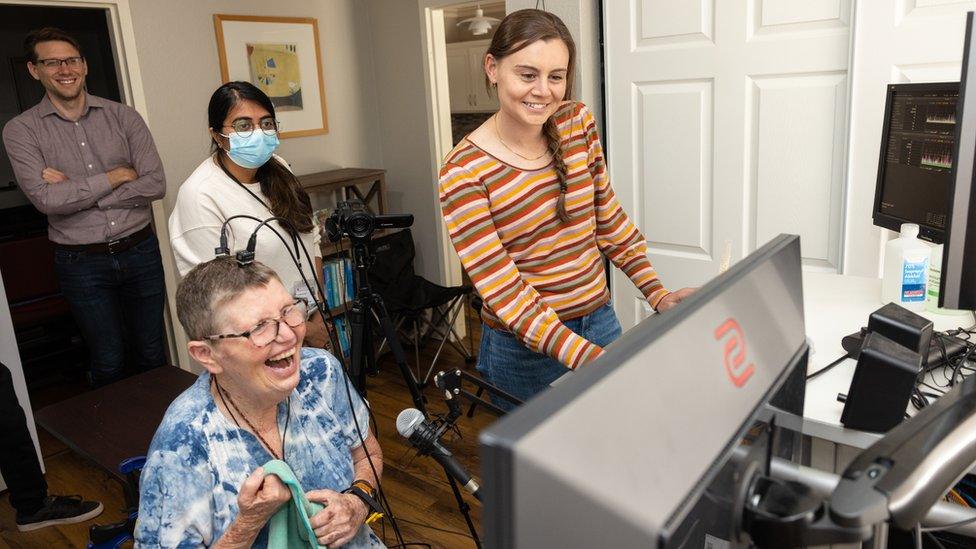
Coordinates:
(290,526)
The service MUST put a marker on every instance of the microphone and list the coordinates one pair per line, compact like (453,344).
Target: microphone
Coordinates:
(424,437)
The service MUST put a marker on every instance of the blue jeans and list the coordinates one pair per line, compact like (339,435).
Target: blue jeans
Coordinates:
(117,300)
(512,367)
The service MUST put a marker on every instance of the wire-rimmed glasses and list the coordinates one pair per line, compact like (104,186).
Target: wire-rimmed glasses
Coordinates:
(244,127)
(266,331)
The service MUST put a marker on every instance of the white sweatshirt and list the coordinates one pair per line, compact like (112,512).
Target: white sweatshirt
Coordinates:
(206,199)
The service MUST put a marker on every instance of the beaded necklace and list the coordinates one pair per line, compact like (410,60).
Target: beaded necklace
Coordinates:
(222,393)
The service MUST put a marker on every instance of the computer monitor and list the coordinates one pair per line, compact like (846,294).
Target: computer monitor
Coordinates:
(957,286)
(915,168)
(635,449)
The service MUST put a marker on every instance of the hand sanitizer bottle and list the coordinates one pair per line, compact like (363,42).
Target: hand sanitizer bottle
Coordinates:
(906,270)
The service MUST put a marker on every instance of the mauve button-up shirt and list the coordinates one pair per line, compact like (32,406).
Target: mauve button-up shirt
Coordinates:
(85,209)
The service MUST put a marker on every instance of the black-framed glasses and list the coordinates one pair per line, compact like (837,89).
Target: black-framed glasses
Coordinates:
(244,127)
(266,331)
(55,64)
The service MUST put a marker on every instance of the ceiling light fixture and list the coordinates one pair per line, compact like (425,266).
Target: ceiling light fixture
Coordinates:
(479,24)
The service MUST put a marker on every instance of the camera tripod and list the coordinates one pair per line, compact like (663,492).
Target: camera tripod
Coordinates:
(368,308)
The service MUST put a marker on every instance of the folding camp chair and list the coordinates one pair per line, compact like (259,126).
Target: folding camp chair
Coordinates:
(409,296)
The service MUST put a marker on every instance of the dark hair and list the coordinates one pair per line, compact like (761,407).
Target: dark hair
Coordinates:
(47,34)
(288,199)
(516,31)
(211,285)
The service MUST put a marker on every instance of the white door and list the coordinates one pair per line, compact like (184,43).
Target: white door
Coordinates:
(894,41)
(726,125)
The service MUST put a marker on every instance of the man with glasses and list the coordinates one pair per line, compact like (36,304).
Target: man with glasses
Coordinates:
(91,166)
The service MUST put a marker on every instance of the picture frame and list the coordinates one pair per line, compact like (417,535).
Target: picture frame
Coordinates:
(281,56)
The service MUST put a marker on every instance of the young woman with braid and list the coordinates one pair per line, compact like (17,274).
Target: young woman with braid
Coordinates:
(530,210)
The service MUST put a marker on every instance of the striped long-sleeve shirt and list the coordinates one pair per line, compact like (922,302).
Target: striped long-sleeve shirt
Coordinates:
(531,269)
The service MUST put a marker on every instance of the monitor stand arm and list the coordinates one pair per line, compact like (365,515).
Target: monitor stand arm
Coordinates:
(784,513)
(897,480)
(901,476)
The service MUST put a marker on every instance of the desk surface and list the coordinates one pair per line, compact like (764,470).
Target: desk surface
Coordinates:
(117,421)
(835,306)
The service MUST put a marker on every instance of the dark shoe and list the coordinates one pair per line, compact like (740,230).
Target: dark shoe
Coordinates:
(59,510)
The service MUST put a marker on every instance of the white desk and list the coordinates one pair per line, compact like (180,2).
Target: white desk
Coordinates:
(835,306)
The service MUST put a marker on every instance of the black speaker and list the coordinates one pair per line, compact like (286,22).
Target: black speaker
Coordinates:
(882,385)
(903,327)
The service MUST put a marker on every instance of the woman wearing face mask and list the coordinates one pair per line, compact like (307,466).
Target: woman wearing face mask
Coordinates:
(242,176)
(530,210)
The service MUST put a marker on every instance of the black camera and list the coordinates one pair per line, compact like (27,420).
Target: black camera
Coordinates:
(351,218)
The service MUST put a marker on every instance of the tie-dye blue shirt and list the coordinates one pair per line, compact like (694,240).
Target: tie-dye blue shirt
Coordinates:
(198,458)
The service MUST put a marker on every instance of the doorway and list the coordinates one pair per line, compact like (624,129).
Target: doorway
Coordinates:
(51,350)
(452,112)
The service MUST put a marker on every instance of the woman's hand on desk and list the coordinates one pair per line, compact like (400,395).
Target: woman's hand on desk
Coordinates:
(674,298)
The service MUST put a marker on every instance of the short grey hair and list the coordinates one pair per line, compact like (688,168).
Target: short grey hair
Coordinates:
(211,285)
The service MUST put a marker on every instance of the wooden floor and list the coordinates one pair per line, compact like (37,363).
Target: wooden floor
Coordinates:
(416,487)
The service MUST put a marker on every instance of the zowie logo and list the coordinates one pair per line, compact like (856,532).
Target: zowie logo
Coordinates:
(734,352)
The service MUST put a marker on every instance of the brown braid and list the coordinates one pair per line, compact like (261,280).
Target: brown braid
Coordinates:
(555,143)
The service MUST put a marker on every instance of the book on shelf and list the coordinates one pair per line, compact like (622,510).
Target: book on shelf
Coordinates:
(350,280)
(343,334)
(337,279)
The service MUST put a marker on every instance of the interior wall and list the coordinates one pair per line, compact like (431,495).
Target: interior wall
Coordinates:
(401,98)
(177,50)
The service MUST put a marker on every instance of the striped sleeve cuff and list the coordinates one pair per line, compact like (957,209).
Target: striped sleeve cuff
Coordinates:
(656,297)
(587,353)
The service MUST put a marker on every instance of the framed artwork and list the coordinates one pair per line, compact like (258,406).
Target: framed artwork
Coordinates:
(279,55)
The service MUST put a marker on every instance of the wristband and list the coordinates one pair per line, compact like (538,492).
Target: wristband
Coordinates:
(364,491)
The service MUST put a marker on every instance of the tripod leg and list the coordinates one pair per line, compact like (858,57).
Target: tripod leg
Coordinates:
(473,404)
(416,344)
(446,334)
(369,353)
(356,365)
(464,508)
(398,354)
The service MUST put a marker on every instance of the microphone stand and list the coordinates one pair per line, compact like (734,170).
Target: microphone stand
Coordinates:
(366,307)
(450,383)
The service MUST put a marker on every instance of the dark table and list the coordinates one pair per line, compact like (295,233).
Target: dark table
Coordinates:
(117,421)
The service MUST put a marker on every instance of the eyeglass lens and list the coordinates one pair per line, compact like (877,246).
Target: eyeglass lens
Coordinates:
(267,331)
(244,127)
(55,63)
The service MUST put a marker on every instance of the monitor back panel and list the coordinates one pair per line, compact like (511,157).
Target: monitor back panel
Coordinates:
(617,455)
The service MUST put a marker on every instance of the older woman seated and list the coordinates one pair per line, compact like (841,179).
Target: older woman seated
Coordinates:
(262,397)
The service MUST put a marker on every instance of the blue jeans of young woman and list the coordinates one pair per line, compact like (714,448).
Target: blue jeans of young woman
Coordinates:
(117,300)
(512,367)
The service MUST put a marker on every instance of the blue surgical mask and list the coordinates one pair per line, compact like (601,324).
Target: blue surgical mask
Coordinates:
(252,151)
